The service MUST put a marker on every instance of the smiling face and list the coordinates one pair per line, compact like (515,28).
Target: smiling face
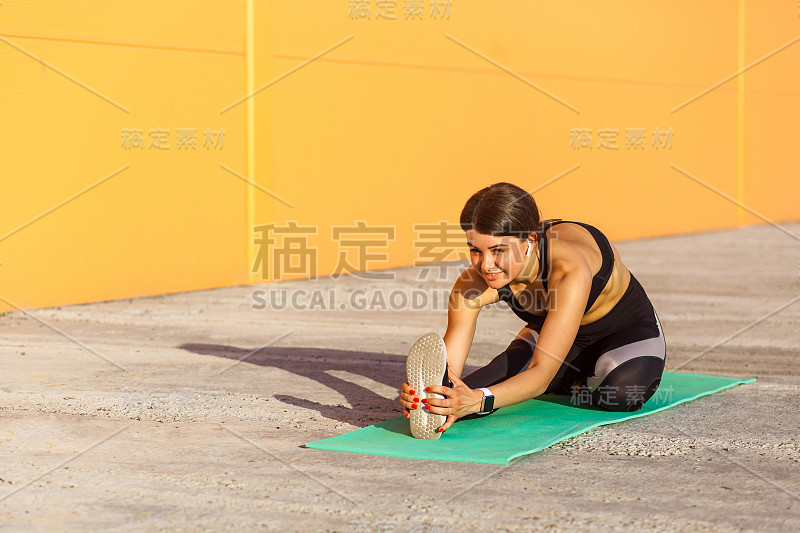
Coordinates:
(500,260)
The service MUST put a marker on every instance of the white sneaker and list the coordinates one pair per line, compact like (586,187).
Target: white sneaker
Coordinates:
(426,365)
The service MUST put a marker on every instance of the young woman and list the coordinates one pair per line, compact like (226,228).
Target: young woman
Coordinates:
(590,331)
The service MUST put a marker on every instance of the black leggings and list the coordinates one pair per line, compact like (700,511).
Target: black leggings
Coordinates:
(615,363)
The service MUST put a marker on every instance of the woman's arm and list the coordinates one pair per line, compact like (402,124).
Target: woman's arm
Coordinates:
(465,301)
(568,291)
(463,308)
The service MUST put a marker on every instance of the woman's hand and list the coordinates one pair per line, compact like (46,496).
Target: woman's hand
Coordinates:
(408,398)
(459,400)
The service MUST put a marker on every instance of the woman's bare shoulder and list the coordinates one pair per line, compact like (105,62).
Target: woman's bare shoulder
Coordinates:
(570,243)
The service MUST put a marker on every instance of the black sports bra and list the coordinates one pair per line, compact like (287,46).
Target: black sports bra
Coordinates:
(599,280)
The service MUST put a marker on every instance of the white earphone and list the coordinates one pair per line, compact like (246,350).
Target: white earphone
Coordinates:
(530,246)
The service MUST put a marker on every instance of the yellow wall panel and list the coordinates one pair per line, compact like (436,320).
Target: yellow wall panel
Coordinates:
(171,219)
(393,123)
(772,104)
(205,26)
(398,124)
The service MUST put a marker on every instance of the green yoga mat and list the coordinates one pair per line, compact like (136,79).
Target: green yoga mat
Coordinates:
(517,430)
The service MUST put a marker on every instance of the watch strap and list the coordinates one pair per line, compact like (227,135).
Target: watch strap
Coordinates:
(487,394)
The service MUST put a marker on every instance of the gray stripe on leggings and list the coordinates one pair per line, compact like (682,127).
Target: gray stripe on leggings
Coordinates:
(654,347)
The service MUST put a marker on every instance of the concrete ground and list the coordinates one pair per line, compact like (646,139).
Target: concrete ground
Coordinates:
(135,414)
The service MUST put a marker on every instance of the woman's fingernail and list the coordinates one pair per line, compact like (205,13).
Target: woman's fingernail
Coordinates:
(411,391)
(414,406)
(427,407)
(417,399)
(441,430)
(407,415)
(427,389)
(424,400)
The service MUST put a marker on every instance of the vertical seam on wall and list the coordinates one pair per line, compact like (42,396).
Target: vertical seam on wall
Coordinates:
(251,166)
(740,114)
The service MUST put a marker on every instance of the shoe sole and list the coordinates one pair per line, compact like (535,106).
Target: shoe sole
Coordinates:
(425,366)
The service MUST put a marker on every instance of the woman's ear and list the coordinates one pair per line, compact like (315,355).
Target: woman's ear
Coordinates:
(533,241)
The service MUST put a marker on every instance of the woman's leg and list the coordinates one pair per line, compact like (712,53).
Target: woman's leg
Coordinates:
(629,369)
(516,359)
(626,373)
(511,362)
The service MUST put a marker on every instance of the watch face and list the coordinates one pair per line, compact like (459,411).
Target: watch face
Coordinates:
(488,403)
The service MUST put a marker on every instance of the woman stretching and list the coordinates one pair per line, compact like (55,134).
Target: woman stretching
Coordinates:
(590,331)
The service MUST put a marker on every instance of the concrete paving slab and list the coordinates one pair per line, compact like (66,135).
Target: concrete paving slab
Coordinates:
(188,412)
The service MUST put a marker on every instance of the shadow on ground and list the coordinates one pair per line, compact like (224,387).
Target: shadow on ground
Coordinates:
(367,408)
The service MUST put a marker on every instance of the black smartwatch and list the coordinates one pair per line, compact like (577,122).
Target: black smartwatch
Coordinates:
(487,404)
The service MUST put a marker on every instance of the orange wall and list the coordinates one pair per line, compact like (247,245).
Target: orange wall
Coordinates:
(172,219)
(401,122)
(389,122)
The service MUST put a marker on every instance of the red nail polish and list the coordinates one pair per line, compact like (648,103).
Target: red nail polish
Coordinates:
(411,391)
(441,430)
(427,407)
(414,406)
(427,389)
(417,399)
(407,415)
(424,400)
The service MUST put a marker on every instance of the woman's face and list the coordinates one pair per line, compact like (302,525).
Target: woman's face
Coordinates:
(498,259)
